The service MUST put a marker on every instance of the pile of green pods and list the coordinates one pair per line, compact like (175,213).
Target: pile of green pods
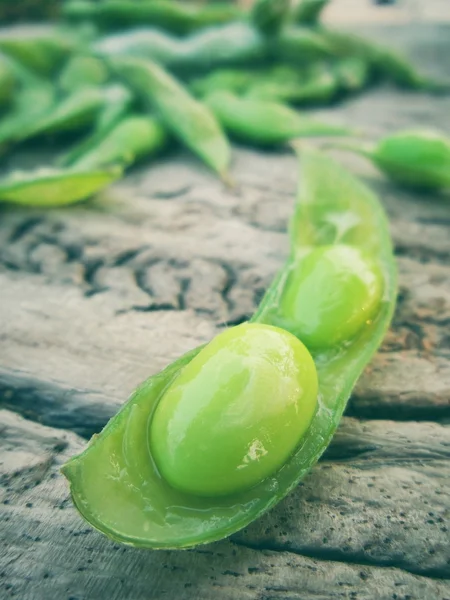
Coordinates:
(120,81)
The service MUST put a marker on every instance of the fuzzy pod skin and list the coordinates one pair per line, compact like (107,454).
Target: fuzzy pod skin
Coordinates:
(118,485)
(55,187)
(174,16)
(133,138)
(188,119)
(265,122)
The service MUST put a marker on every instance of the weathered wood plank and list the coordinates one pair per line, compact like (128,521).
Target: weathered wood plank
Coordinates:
(49,553)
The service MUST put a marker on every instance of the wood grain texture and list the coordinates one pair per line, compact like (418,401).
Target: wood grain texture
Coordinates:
(95,298)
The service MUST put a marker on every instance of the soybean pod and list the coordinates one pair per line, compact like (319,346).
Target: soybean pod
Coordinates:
(48,187)
(308,12)
(8,81)
(265,122)
(417,158)
(188,119)
(220,436)
(132,138)
(39,48)
(171,15)
(269,15)
(117,100)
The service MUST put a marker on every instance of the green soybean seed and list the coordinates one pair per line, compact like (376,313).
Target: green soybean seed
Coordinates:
(83,71)
(308,12)
(254,387)
(265,122)
(151,481)
(336,290)
(188,119)
(178,17)
(132,138)
(55,187)
(419,159)
(269,15)
(39,48)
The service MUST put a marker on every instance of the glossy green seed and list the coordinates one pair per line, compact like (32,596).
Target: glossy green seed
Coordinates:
(333,293)
(236,412)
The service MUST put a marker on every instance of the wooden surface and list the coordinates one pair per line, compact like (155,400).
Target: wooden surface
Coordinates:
(96,297)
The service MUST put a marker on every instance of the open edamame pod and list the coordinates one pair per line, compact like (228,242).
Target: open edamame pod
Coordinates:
(131,139)
(265,122)
(225,432)
(419,159)
(55,187)
(188,119)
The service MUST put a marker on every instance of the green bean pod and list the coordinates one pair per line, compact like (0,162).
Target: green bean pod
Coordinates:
(385,62)
(317,84)
(417,158)
(220,436)
(55,187)
(269,15)
(76,111)
(177,17)
(353,73)
(117,101)
(83,70)
(39,48)
(227,79)
(300,45)
(189,120)
(132,138)
(264,122)
(31,103)
(231,44)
